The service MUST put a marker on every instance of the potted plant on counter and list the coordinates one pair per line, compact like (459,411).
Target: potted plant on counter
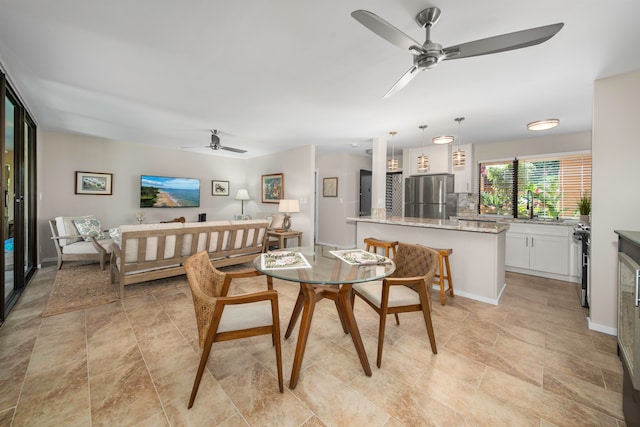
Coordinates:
(584,207)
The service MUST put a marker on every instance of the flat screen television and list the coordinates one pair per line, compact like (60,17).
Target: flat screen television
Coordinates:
(169,192)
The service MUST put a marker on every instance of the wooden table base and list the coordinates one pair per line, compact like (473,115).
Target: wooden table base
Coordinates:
(305,303)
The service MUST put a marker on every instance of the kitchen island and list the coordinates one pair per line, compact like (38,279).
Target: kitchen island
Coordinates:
(477,262)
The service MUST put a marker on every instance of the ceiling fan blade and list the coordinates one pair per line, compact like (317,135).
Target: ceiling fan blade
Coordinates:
(387,31)
(503,43)
(235,150)
(404,80)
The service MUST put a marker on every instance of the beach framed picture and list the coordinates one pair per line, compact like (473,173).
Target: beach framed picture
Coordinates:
(169,192)
(219,188)
(96,183)
(272,188)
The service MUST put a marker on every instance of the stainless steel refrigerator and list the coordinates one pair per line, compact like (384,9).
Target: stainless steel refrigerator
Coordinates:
(430,196)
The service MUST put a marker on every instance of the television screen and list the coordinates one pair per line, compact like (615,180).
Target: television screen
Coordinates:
(169,192)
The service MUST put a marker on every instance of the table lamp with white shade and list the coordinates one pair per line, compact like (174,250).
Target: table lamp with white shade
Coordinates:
(288,206)
(242,195)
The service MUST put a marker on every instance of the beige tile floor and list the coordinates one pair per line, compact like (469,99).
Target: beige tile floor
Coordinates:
(529,361)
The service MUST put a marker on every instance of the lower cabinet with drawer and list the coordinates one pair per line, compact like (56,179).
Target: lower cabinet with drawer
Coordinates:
(540,250)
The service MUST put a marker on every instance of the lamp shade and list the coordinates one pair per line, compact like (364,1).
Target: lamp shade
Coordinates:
(289,206)
(243,194)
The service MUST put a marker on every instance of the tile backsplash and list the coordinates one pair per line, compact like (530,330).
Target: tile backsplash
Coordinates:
(467,203)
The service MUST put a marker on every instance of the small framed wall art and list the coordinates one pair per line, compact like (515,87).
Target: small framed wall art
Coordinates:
(97,183)
(272,188)
(219,188)
(330,187)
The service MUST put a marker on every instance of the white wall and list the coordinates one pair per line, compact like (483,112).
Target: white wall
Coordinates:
(332,211)
(542,144)
(615,200)
(61,154)
(297,165)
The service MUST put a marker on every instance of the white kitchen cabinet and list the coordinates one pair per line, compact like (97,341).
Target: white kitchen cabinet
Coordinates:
(463,181)
(439,161)
(540,250)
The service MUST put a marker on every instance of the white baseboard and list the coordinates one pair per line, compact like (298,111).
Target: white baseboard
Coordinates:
(475,297)
(601,328)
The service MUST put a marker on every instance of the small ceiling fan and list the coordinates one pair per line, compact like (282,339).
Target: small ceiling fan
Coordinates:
(428,54)
(216,145)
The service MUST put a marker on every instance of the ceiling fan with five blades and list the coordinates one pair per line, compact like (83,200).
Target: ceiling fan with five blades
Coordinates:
(428,54)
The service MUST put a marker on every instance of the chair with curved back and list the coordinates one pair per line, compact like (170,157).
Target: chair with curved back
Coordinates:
(222,318)
(405,290)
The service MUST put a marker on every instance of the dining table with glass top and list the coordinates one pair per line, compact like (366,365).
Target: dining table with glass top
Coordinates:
(324,272)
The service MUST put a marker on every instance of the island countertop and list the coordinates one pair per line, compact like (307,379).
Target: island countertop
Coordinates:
(444,224)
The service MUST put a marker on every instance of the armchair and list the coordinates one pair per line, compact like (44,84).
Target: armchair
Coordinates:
(221,318)
(404,291)
(72,245)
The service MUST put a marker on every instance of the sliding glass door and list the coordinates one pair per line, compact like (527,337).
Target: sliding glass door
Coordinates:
(18,197)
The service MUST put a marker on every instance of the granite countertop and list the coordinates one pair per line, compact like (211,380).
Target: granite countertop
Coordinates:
(446,224)
(541,221)
(632,236)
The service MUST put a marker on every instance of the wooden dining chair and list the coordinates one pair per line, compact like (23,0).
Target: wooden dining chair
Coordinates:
(405,290)
(222,318)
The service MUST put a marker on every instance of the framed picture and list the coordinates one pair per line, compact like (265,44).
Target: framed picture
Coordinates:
(219,188)
(330,187)
(94,183)
(272,188)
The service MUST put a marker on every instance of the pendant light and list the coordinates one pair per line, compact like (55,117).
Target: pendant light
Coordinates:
(423,160)
(459,156)
(392,164)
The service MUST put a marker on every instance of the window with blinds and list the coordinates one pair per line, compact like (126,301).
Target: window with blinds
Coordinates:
(550,186)
(496,188)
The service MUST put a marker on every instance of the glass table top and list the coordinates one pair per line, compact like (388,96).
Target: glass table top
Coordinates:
(324,265)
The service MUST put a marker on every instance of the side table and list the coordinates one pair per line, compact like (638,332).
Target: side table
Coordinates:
(282,237)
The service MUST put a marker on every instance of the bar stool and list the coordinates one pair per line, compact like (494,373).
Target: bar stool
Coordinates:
(385,244)
(443,274)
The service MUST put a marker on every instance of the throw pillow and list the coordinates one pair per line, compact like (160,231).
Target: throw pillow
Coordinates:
(114,233)
(277,221)
(89,227)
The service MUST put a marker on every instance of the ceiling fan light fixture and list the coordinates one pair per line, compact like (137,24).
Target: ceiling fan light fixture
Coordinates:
(543,124)
(443,139)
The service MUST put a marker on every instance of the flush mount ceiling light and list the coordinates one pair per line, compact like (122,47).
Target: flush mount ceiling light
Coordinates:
(543,124)
(392,164)
(443,139)
(423,161)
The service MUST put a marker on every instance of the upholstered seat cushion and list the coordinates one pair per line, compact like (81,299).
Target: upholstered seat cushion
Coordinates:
(399,295)
(81,247)
(152,242)
(66,227)
(214,236)
(244,316)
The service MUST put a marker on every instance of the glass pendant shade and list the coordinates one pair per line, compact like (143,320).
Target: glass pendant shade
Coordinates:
(423,162)
(392,163)
(459,158)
